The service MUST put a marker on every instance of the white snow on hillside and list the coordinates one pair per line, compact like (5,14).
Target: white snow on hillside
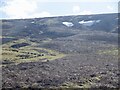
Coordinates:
(33,22)
(68,24)
(97,21)
(89,23)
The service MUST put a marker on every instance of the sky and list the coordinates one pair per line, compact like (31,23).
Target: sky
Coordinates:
(20,9)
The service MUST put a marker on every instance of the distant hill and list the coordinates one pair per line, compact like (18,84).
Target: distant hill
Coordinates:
(61,26)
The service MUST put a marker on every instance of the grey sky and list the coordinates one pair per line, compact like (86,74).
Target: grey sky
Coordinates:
(11,9)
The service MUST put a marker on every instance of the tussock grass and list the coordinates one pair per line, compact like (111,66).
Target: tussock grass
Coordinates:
(30,53)
(109,52)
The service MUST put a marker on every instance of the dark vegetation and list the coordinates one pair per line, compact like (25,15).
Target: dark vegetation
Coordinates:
(91,52)
(5,40)
(19,45)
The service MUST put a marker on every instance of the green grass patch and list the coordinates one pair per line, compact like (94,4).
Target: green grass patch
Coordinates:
(75,85)
(109,52)
(30,53)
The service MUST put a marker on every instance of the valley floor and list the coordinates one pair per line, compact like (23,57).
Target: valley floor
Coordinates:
(90,67)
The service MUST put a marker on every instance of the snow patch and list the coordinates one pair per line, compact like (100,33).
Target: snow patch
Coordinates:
(40,32)
(89,23)
(68,24)
(33,22)
(97,21)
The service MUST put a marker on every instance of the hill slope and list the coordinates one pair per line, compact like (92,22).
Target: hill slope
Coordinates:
(58,52)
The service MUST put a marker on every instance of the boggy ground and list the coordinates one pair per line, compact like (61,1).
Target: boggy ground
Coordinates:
(73,71)
(67,63)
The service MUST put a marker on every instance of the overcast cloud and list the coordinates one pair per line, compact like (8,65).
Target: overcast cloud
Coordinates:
(48,8)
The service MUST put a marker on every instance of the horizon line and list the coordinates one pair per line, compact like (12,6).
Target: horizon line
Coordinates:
(56,16)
